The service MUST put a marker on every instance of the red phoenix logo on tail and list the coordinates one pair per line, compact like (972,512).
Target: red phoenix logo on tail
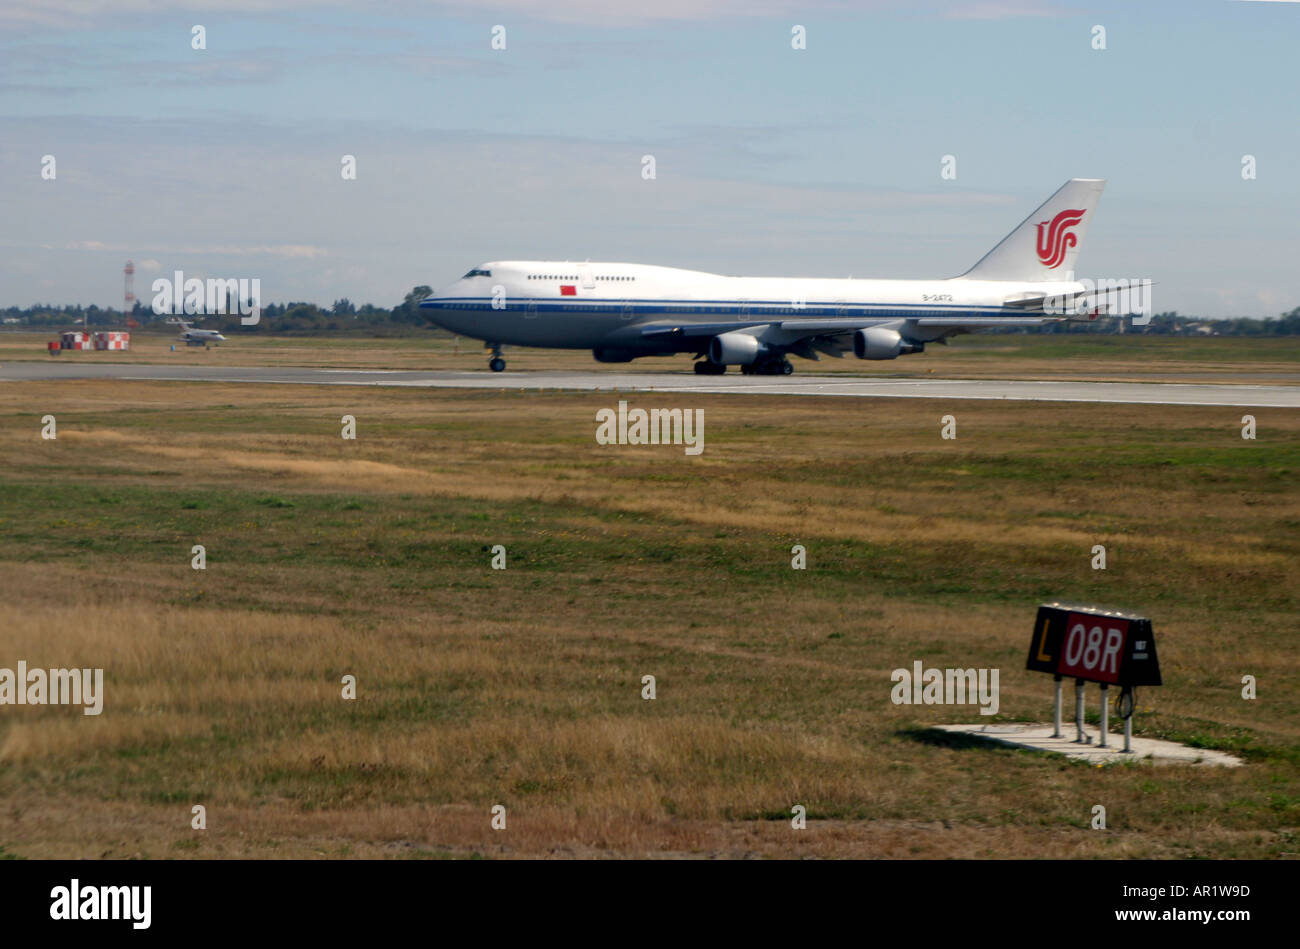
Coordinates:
(1055,239)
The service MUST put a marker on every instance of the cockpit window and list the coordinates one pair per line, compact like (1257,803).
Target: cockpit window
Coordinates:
(477,273)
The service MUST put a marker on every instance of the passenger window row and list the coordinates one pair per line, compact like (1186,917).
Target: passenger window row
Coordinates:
(559,276)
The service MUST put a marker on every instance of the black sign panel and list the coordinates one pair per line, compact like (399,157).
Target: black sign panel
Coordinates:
(1094,645)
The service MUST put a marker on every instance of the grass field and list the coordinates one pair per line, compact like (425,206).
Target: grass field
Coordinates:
(522,686)
(1120,358)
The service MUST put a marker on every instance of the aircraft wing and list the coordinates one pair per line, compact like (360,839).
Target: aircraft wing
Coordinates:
(844,325)
(797,329)
(689,330)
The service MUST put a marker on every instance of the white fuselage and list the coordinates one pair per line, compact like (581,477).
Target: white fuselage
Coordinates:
(587,305)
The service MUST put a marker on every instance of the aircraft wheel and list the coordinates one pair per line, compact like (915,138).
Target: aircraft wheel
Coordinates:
(497,364)
(786,367)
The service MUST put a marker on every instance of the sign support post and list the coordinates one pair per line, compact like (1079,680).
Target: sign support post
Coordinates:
(1105,714)
(1127,706)
(1056,712)
(1078,711)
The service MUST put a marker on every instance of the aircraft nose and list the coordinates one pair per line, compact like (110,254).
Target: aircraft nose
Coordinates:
(435,300)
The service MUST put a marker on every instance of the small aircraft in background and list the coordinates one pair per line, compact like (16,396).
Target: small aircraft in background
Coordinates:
(197,337)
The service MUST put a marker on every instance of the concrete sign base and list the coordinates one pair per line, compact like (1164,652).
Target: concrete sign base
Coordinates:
(1039,738)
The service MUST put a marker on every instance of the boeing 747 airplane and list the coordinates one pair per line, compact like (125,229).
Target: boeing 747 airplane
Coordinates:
(624,311)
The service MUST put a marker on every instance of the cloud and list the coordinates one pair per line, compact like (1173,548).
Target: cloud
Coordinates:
(215,72)
(42,89)
(282,251)
(606,13)
(593,13)
(1002,10)
(92,13)
(287,251)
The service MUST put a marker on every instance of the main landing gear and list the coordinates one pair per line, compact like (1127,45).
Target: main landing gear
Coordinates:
(770,367)
(496,363)
(777,366)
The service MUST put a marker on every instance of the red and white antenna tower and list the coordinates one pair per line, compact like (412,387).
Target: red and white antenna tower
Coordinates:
(128,290)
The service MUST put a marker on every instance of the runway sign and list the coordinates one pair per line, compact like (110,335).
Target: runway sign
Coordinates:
(1094,645)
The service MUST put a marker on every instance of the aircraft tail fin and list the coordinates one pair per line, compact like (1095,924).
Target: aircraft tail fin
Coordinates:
(1046,244)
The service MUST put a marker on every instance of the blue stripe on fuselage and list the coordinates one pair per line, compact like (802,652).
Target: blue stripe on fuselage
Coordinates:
(713,307)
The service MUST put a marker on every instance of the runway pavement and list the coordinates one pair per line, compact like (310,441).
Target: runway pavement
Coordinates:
(1154,393)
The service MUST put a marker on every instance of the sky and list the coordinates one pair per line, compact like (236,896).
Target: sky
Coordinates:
(768,160)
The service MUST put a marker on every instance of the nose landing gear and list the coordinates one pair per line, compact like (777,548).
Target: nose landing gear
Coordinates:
(496,363)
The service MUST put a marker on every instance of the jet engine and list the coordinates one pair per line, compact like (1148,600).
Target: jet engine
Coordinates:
(877,342)
(728,349)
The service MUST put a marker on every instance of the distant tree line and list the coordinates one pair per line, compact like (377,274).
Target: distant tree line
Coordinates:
(406,319)
(284,319)
(1174,324)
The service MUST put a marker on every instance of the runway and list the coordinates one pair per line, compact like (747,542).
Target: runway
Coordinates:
(1152,393)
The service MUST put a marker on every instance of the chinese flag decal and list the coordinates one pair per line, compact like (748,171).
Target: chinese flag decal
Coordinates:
(568,290)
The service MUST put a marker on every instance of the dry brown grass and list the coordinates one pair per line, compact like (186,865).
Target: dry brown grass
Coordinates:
(523,687)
